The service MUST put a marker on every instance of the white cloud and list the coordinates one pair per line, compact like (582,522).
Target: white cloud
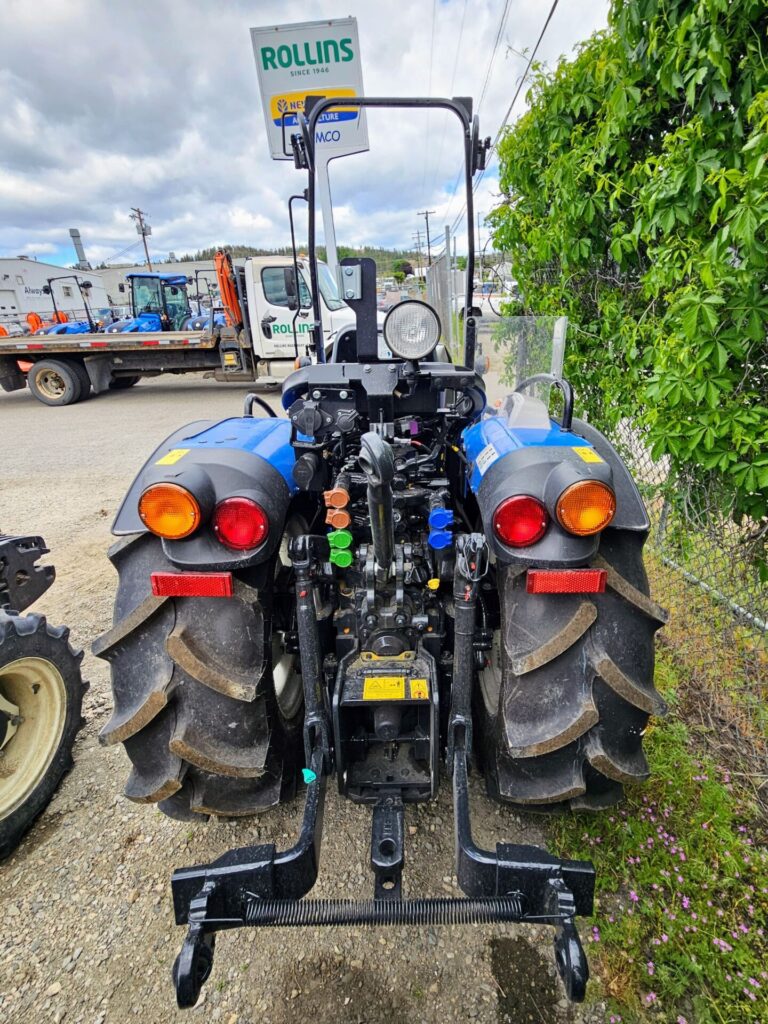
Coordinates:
(155,104)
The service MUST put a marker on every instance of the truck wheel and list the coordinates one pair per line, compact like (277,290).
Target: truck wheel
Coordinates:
(41,696)
(194,698)
(120,383)
(566,695)
(85,380)
(53,382)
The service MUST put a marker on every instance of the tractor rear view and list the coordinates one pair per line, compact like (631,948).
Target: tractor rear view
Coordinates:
(390,582)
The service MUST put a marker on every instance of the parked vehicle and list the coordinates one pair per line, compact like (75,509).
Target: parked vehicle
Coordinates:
(261,328)
(389,581)
(41,692)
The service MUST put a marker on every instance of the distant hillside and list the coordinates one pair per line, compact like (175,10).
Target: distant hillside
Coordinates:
(385,258)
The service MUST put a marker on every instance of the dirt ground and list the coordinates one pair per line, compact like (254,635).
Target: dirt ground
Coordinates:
(89,931)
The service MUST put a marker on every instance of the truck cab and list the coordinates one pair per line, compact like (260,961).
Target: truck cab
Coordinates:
(273,310)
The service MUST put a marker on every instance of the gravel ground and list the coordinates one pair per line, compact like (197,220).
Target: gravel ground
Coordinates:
(89,925)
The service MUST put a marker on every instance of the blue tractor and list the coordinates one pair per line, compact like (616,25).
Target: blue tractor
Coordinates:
(159,302)
(393,584)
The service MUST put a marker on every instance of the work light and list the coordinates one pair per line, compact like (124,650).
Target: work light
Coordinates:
(412,329)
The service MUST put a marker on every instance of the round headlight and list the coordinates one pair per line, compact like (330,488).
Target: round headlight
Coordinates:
(412,329)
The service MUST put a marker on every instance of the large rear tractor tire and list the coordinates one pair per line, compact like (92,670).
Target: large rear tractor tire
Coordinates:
(568,690)
(41,697)
(194,699)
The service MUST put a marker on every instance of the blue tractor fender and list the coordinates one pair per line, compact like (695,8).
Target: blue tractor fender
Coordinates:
(508,458)
(75,327)
(242,456)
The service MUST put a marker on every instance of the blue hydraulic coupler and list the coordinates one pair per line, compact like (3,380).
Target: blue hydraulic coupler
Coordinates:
(439,539)
(440,518)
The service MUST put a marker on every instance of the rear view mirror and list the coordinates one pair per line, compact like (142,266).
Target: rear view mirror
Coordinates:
(289,276)
(46,289)
(121,287)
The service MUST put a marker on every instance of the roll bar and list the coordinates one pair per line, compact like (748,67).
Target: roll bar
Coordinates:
(474,159)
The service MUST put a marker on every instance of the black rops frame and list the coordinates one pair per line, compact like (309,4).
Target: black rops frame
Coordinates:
(474,159)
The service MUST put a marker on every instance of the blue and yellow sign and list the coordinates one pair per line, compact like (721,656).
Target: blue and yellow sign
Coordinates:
(292,103)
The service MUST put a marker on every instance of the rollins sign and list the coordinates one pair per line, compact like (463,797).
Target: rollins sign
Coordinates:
(315,58)
(323,51)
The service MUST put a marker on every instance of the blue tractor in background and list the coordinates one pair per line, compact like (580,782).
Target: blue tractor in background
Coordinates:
(159,302)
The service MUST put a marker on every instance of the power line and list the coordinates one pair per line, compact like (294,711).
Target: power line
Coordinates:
(117,255)
(502,23)
(552,10)
(503,124)
(499,32)
(429,89)
(450,93)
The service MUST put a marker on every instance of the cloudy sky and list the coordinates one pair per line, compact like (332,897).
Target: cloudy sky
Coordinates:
(111,104)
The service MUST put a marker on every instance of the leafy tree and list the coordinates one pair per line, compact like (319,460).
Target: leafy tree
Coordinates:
(403,267)
(399,276)
(461,262)
(636,201)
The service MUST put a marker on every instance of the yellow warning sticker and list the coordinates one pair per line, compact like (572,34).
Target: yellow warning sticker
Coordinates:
(172,456)
(384,688)
(419,689)
(588,455)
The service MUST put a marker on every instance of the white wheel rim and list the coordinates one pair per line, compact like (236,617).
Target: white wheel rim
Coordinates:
(36,688)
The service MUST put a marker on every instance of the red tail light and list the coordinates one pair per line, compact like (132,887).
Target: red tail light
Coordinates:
(520,520)
(240,523)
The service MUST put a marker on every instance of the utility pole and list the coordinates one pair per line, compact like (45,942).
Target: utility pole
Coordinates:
(479,253)
(417,240)
(143,229)
(426,215)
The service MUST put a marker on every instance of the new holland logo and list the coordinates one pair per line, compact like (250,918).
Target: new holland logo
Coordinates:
(289,104)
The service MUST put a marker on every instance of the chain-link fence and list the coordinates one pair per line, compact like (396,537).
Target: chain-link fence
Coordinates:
(704,566)
(440,295)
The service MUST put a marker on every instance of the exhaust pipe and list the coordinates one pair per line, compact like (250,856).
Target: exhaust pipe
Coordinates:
(377,461)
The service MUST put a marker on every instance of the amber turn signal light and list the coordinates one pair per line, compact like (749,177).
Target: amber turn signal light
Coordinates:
(586,507)
(169,511)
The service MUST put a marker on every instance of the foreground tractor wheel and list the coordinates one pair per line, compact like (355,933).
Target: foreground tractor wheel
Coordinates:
(41,696)
(567,693)
(194,699)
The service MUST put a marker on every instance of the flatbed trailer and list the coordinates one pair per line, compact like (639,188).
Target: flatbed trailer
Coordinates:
(66,368)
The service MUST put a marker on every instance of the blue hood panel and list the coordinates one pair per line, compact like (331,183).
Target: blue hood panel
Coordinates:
(269,438)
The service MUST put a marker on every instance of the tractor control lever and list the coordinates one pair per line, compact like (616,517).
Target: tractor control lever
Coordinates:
(377,461)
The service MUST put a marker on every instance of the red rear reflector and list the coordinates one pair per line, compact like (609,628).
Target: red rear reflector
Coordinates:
(566,581)
(192,584)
